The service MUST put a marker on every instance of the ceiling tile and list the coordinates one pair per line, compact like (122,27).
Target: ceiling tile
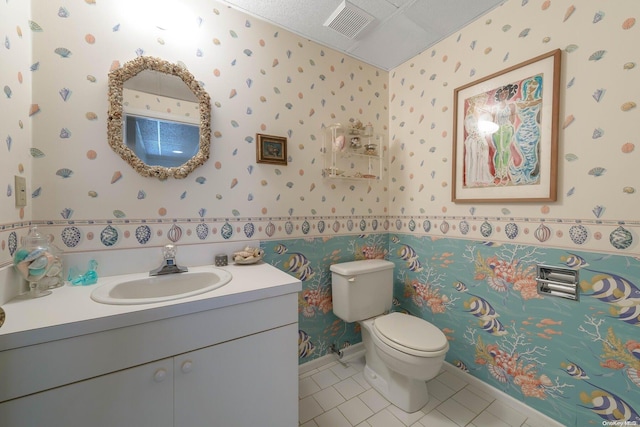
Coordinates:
(402,29)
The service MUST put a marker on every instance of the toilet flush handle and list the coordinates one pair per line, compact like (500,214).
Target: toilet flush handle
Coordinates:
(351,279)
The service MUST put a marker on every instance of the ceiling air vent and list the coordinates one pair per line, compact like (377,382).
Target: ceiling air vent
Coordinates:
(348,20)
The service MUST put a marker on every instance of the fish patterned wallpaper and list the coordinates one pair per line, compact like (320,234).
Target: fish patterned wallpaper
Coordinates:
(577,362)
(309,260)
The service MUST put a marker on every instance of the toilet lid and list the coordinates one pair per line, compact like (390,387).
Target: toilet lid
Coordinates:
(411,332)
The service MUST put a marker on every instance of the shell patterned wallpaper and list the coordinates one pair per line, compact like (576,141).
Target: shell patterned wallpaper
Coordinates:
(261,79)
(147,102)
(597,182)
(16,82)
(247,64)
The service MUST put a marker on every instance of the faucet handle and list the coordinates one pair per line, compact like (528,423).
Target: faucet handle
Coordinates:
(169,265)
(169,251)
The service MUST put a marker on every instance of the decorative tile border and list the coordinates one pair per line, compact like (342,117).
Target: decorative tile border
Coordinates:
(592,235)
(79,236)
(88,235)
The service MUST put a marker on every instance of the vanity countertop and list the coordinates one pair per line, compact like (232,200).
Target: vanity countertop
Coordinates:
(69,311)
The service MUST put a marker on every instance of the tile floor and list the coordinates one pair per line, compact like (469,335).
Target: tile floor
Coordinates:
(337,395)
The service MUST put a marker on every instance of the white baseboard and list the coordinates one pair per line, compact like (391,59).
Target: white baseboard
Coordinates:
(348,353)
(534,417)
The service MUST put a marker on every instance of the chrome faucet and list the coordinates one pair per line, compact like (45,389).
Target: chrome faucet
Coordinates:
(169,265)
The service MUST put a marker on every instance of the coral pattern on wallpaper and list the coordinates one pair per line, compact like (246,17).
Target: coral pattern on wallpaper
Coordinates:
(309,260)
(577,362)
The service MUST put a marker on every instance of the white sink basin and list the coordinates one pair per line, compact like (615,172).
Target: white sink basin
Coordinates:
(144,289)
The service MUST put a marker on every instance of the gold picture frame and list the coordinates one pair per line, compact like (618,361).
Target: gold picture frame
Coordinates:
(505,134)
(271,149)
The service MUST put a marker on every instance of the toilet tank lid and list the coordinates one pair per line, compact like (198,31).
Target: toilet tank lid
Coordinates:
(411,332)
(361,266)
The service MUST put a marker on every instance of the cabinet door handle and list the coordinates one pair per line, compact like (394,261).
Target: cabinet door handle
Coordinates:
(160,375)
(186,367)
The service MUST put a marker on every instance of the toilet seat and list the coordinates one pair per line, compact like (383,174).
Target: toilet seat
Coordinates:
(410,334)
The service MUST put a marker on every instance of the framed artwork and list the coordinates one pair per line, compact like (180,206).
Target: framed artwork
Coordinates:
(505,134)
(271,149)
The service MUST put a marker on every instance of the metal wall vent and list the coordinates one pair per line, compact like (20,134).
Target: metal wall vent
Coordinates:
(348,20)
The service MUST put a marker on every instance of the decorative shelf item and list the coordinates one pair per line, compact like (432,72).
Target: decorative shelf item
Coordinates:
(352,153)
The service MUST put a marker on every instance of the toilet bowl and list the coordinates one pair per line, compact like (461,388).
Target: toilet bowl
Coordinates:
(402,353)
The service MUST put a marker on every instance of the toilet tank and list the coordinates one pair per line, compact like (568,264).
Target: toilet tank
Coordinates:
(361,289)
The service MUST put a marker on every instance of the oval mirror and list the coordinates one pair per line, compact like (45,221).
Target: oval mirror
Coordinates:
(159,118)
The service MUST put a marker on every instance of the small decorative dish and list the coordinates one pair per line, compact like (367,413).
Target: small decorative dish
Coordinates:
(248,256)
(370,149)
(333,171)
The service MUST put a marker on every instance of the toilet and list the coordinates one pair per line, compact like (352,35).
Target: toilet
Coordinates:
(402,352)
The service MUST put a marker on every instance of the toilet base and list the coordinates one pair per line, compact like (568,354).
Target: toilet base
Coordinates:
(407,394)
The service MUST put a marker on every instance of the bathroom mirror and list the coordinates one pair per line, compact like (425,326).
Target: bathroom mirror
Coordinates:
(159,118)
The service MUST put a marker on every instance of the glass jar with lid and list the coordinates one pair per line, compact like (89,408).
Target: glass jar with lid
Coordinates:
(33,260)
(53,277)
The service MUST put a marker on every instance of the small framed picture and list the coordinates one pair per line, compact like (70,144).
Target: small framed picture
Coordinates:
(271,149)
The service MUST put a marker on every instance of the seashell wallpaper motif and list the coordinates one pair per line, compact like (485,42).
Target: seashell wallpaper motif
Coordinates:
(262,79)
(597,135)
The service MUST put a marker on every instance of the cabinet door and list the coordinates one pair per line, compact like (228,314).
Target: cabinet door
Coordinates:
(140,396)
(251,381)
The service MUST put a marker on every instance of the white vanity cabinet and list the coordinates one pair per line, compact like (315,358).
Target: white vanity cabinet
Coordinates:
(232,366)
(140,396)
(245,382)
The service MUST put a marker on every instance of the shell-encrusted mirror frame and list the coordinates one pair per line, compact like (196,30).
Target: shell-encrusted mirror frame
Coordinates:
(115,123)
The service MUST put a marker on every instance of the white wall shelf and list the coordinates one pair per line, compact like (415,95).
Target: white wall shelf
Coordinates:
(350,154)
